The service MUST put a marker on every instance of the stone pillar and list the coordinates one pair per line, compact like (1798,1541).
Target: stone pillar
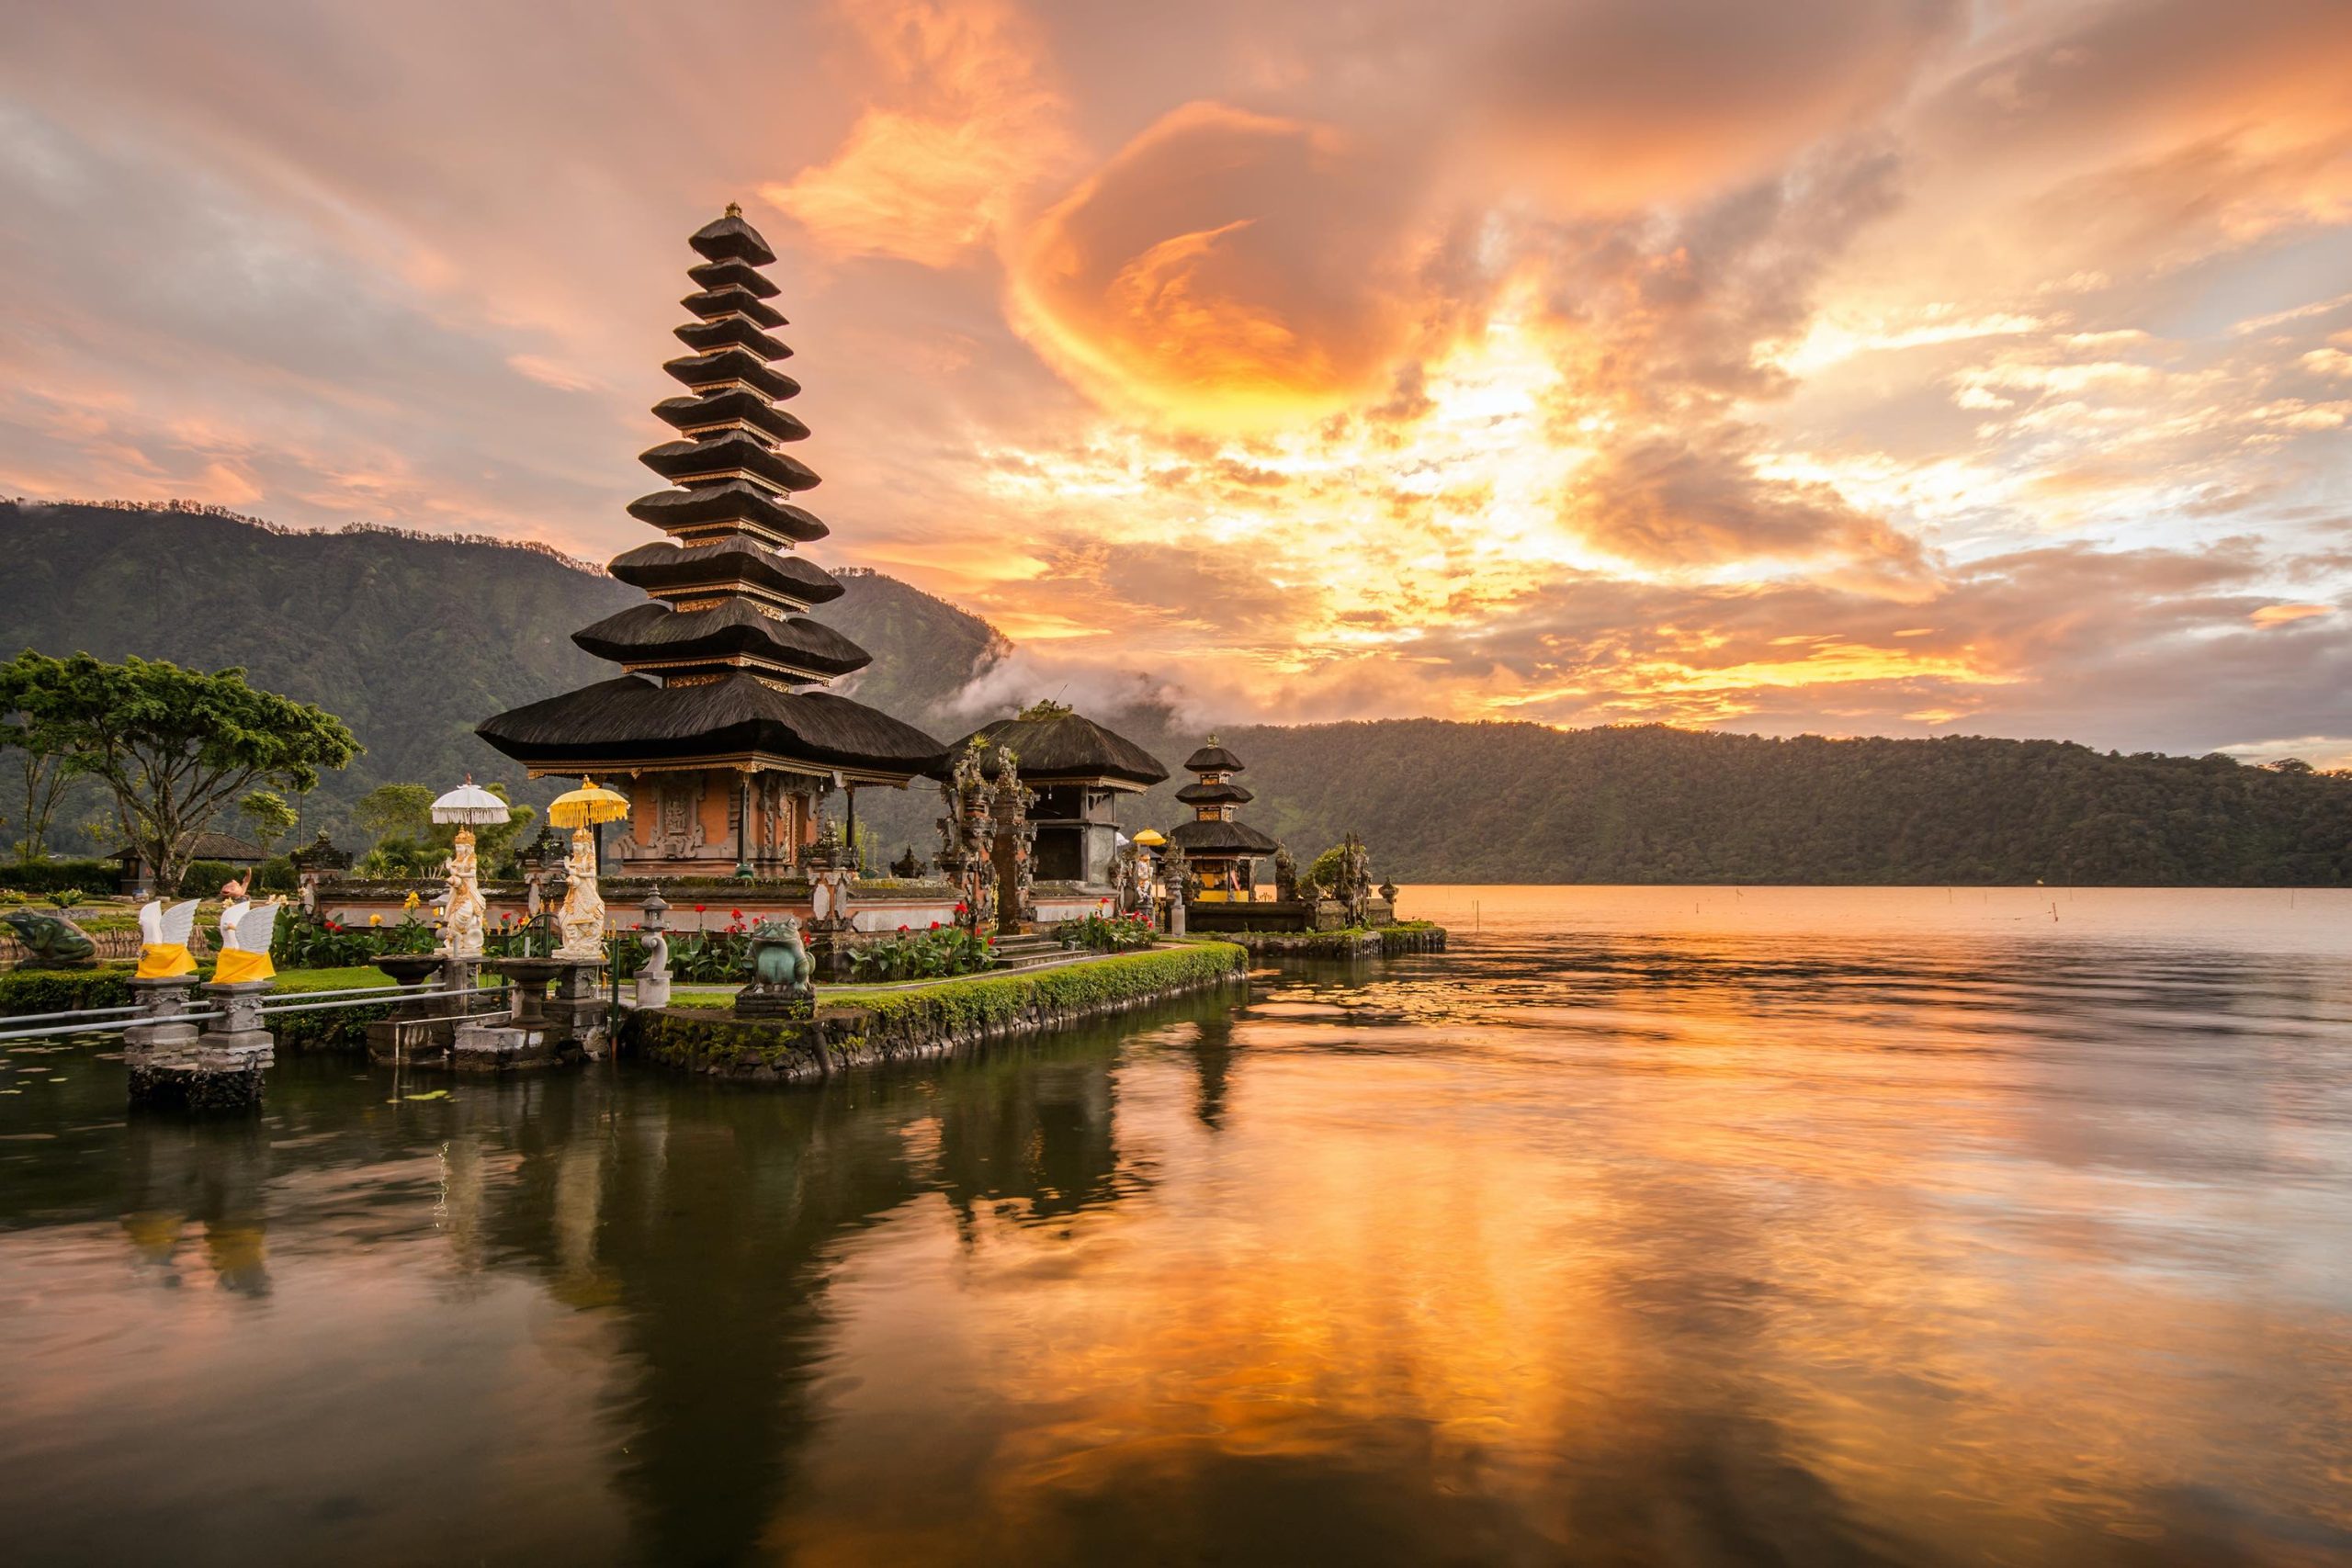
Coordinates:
(159,1051)
(218,1069)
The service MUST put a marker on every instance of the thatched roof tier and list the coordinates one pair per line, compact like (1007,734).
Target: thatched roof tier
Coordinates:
(731,272)
(1220,838)
(700,371)
(654,633)
(671,570)
(734,300)
(704,337)
(728,455)
(1062,747)
(629,723)
(1212,758)
(1215,795)
(731,239)
(735,405)
(708,509)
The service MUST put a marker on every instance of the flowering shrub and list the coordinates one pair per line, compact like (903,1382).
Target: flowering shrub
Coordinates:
(1104,933)
(920,955)
(309,941)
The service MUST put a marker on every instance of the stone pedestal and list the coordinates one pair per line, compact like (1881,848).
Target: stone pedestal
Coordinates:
(574,1016)
(218,1069)
(498,1048)
(407,1035)
(775,1001)
(653,990)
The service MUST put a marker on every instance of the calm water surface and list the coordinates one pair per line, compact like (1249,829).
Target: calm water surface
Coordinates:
(1648,1226)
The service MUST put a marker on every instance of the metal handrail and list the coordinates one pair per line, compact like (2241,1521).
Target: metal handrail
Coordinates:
(351,1001)
(414,985)
(114,1027)
(71,1012)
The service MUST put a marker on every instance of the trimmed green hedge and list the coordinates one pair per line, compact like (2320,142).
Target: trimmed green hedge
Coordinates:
(854,1024)
(96,877)
(108,986)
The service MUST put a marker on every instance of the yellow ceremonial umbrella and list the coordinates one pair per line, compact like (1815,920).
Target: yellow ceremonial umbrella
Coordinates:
(590,803)
(1151,838)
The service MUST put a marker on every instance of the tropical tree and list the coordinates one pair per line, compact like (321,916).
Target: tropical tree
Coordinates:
(173,746)
(268,817)
(408,842)
(41,744)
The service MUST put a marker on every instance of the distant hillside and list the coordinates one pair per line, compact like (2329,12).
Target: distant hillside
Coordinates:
(411,639)
(414,639)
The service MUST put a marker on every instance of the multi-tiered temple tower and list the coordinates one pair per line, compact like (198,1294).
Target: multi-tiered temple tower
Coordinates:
(720,722)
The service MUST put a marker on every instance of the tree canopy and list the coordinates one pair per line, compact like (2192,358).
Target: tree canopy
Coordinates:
(174,747)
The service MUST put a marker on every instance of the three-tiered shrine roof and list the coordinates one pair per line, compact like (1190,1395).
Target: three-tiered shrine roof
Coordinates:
(1213,759)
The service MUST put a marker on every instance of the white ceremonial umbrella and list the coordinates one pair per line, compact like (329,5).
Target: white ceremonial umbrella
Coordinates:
(471,805)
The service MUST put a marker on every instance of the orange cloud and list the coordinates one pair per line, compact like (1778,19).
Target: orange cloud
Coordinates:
(932,179)
(1226,268)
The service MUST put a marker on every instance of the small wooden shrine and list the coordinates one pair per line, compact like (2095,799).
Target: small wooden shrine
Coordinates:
(720,721)
(1075,770)
(1220,852)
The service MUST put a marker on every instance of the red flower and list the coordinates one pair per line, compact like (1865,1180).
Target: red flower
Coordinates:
(736,913)
(905,928)
(934,925)
(959,909)
(700,908)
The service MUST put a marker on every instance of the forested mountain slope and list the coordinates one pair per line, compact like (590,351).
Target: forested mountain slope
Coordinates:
(413,641)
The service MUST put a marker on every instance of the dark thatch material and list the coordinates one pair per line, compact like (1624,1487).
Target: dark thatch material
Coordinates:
(1215,795)
(732,364)
(712,303)
(666,566)
(733,402)
(730,237)
(737,500)
(1220,838)
(705,336)
(655,631)
(676,460)
(1212,759)
(630,719)
(733,274)
(1064,746)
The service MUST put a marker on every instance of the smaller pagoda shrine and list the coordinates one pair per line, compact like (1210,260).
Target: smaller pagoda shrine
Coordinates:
(1075,769)
(1222,853)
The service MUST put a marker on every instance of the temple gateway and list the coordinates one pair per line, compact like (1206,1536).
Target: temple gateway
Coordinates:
(720,720)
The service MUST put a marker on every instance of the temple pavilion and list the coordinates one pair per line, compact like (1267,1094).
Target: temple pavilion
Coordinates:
(1223,853)
(719,722)
(1078,768)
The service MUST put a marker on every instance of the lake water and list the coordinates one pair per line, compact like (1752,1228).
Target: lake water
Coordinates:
(1813,1226)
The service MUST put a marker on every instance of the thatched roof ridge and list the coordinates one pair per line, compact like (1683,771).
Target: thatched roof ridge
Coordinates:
(1062,745)
(737,500)
(1226,793)
(666,564)
(631,718)
(655,631)
(1220,838)
(1212,758)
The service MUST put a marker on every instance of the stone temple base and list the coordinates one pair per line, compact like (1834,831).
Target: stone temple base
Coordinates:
(485,1048)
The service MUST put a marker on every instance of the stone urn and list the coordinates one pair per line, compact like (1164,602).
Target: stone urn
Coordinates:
(409,968)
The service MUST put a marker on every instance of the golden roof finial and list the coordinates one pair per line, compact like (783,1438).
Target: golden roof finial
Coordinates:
(734,210)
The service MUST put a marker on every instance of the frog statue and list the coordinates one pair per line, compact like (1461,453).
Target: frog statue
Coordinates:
(50,941)
(780,972)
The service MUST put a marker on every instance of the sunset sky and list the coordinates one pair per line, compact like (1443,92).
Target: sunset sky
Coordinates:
(1892,367)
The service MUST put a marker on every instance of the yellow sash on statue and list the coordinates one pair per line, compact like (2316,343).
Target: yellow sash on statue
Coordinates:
(162,960)
(237,966)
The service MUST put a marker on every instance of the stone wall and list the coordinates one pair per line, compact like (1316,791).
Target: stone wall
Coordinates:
(865,1028)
